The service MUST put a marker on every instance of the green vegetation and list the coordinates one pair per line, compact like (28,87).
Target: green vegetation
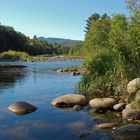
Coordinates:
(76,50)
(16,41)
(136,104)
(13,56)
(112,51)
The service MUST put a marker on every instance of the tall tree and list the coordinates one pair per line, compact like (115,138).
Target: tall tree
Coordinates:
(97,35)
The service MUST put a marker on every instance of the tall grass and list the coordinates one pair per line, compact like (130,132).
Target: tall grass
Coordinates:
(13,56)
(108,71)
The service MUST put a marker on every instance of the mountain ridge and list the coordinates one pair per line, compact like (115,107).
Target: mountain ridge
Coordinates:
(61,41)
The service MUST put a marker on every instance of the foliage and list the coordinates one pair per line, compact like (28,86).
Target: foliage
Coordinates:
(76,50)
(106,71)
(97,34)
(112,49)
(13,55)
(136,104)
(16,41)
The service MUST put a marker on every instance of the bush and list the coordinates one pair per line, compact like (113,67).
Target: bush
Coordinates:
(13,56)
(107,71)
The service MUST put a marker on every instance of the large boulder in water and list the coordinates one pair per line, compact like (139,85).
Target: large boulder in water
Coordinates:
(102,103)
(22,108)
(128,132)
(133,86)
(69,100)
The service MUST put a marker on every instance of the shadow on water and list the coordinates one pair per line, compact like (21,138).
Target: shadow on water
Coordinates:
(10,74)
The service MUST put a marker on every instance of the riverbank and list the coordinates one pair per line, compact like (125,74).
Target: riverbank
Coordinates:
(13,56)
(39,85)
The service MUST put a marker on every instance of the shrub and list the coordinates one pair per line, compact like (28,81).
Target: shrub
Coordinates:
(107,71)
(13,56)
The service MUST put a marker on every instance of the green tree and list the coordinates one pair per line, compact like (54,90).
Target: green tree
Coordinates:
(97,35)
(75,50)
(94,16)
(118,33)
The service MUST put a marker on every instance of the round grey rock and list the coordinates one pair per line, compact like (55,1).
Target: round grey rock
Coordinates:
(119,107)
(69,100)
(133,86)
(22,108)
(133,114)
(102,103)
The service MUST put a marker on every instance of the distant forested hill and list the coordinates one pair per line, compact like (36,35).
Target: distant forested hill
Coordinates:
(61,41)
(16,41)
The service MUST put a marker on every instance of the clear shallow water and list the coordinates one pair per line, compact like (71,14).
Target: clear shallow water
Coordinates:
(38,84)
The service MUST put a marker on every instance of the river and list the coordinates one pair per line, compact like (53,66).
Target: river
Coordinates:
(38,84)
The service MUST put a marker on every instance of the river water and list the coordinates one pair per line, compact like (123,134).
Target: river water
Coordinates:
(38,84)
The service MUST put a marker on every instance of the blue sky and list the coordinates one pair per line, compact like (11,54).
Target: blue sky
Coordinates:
(55,18)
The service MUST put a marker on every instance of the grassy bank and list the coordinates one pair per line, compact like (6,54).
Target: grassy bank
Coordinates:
(107,71)
(14,56)
(23,56)
(20,56)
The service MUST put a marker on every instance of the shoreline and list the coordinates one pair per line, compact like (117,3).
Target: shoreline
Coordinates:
(46,59)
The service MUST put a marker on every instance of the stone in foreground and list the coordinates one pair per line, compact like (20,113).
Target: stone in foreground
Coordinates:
(119,107)
(133,86)
(127,132)
(22,108)
(102,103)
(133,114)
(69,100)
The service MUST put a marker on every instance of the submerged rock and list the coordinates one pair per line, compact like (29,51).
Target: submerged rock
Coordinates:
(104,126)
(133,86)
(74,70)
(119,107)
(128,132)
(22,108)
(76,73)
(102,103)
(69,100)
(60,70)
(77,107)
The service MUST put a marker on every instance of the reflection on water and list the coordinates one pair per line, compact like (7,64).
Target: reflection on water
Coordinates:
(38,84)
(10,74)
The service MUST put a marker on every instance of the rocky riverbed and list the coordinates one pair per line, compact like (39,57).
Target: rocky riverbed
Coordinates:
(125,113)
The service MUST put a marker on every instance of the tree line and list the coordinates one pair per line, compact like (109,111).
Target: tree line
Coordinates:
(112,49)
(16,41)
